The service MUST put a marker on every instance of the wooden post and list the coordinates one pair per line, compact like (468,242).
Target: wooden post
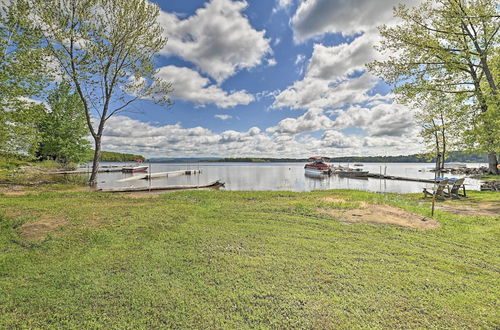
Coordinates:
(436,172)
(149,176)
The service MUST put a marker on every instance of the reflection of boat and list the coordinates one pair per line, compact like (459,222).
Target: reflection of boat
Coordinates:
(315,176)
(318,166)
(133,169)
(354,177)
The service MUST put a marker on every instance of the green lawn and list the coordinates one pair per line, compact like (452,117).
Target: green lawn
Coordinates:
(215,259)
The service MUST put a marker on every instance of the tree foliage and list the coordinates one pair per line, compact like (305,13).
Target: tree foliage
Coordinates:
(106,48)
(447,48)
(63,130)
(22,76)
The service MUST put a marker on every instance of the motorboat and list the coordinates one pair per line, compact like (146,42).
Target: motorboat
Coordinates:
(133,169)
(318,166)
(350,172)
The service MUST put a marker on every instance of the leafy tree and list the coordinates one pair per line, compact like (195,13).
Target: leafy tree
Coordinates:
(22,76)
(442,119)
(63,129)
(106,48)
(447,47)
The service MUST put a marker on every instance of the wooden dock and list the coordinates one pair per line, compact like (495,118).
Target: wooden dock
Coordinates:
(88,171)
(213,184)
(401,178)
(160,175)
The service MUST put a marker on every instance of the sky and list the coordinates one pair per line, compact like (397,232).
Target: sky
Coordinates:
(274,78)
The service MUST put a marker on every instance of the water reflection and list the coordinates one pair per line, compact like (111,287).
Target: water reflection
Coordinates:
(283,176)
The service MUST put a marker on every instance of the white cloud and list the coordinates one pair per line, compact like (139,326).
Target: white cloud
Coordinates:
(271,62)
(336,62)
(223,117)
(300,58)
(189,85)
(316,17)
(313,120)
(336,139)
(385,119)
(327,81)
(313,92)
(218,38)
(282,5)
(129,135)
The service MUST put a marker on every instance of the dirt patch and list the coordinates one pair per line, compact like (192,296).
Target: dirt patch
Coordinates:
(382,214)
(37,231)
(471,210)
(15,193)
(339,200)
(143,194)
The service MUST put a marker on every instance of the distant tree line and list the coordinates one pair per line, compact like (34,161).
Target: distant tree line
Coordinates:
(453,156)
(109,156)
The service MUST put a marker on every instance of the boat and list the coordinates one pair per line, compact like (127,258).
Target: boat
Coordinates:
(133,169)
(350,172)
(358,165)
(318,166)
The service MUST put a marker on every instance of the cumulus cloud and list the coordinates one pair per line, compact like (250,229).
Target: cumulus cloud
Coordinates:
(316,17)
(314,92)
(218,38)
(331,63)
(189,85)
(328,79)
(336,139)
(386,119)
(130,135)
(223,117)
(282,5)
(313,120)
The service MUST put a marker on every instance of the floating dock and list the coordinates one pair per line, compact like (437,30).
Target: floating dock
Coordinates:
(213,184)
(401,178)
(88,171)
(160,175)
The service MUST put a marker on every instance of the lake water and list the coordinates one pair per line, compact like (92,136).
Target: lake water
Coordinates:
(284,176)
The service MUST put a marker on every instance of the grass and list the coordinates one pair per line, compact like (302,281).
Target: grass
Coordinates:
(216,259)
(14,171)
(490,177)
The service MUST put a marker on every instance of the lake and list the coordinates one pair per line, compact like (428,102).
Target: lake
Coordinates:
(284,176)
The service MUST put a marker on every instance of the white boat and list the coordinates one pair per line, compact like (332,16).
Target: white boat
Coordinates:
(350,172)
(133,169)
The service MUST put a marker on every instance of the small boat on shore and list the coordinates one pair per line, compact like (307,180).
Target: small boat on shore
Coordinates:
(318,166)
(133,169)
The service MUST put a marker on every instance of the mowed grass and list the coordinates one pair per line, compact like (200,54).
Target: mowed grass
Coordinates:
(215,259)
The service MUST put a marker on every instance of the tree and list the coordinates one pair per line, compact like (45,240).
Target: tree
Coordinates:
(442,119)
(447,47)
(22,76)
(63,129)
(106,48)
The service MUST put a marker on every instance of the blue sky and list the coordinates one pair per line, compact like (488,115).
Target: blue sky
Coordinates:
(276,78)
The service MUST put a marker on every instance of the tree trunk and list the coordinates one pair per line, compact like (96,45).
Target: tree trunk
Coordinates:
(492,163)
(95,162)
